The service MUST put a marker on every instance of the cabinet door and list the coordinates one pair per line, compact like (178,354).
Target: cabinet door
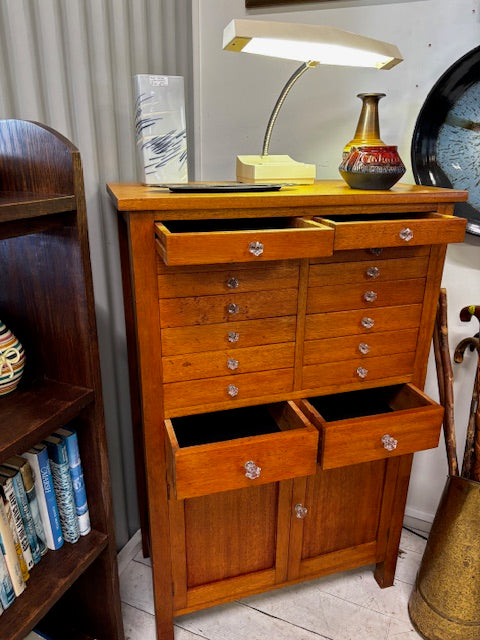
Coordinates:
(228,544)
(339,528)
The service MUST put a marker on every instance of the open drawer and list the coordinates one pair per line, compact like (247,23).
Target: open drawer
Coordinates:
(384,230)
(241,240)
(371,424)
(236,448)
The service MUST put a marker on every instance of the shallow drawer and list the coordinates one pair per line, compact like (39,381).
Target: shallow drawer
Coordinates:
(373,271)
(237,448)
(241,240)
(354,232)
(365,296)
(225,390)
(359,371)
(374,253)
(372,424)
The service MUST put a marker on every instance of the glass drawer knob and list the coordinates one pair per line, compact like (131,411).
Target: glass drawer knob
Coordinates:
(300,511)
(232,390)
(233,283)
(370,296)
(389,442)
(373,272)
(364,348)
(362,372)
(252,471)
(367,322)
(406,234)
(233,308)
(376,251)
(233,336)
(232,364)
(255,248)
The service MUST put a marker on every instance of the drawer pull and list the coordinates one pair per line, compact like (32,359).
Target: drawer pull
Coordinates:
(406,234)
(300,511)
(233,336)
(367,322)
(373,272)
(389,442)
(232,364)
(233,308)
(376,251)
(370,296)
(364,348)
(362,372)
(232,390)
(255,248)
(233,283)
(252,471)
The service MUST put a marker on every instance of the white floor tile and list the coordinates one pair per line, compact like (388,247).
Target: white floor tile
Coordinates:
(136,587)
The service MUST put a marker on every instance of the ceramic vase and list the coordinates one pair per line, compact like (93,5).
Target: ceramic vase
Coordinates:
(12,360)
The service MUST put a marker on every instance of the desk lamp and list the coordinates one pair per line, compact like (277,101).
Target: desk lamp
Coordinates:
(312,45)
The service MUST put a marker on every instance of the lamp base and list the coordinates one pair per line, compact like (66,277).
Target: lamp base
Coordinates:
(274,169)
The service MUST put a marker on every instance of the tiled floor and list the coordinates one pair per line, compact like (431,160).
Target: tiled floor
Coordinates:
(347,606)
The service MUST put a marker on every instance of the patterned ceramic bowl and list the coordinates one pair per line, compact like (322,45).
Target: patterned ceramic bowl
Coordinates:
(12,360)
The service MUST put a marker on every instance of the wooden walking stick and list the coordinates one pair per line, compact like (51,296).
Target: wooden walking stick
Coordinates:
(445,381)
(469,455)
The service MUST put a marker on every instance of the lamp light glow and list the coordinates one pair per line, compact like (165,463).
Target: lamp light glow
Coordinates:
(312,45)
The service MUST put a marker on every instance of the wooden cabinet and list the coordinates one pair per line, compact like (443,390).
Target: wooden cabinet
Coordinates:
(278,345)
(46,299)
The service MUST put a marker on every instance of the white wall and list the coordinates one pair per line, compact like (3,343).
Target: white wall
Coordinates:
(235,95)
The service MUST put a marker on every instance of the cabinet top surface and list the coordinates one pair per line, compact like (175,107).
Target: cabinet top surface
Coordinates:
(138,197)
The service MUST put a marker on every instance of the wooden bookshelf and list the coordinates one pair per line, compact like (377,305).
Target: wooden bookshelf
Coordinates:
(46,299)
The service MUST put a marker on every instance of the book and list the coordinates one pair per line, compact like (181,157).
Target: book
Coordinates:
(7,484)
(62,482)
(22,465)
(24,509)
(11,546)
(76,473)
(37,635)
(7,594)
(47,501)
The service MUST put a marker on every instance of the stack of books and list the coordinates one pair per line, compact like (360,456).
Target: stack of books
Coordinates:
(43,503)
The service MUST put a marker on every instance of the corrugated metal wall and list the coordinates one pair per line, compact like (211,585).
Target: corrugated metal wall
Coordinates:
(69,64)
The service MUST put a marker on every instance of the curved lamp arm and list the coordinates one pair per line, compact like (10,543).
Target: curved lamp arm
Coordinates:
(278,105)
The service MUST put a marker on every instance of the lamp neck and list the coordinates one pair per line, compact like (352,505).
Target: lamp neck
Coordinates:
(281,99)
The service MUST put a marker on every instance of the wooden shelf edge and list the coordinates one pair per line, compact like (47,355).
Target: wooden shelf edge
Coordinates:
(14,207)
(49,580)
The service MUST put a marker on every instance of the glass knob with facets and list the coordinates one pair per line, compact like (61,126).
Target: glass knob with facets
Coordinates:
(233,308)
(389,442)
(376,251)
(232,364)
(367,322)
(255,248)
(233,336)
(300,511)
(233,283)
(370,296)
(406,234)
(232,390)
(364,348)
(362,372)
(252,471)
(373,272)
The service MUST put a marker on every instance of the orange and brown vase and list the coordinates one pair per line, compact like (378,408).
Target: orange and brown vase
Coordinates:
(12,360)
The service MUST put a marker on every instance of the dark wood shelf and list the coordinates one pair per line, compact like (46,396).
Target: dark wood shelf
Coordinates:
(30,414)
(18,206)
(49,580)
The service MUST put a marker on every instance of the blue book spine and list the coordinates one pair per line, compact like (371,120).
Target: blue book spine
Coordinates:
(7,593)
(50,498)
(26,516)
(62,482)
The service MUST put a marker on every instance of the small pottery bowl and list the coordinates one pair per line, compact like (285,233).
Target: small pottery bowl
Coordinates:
(372,167)
(12,360)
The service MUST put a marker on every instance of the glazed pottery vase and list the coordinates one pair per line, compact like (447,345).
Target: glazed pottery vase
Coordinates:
(12,360)
(368,126)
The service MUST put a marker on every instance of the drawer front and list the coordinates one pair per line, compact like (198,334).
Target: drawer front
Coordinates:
(228,335)
(354,347)
(363,296)
(358,371)
(374,253)
(225,389)
(360,321)
(178,283)
(221,466)
(257,245)
(423,230)
(345,442)
(228,362)
(371,271)
(177,312)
